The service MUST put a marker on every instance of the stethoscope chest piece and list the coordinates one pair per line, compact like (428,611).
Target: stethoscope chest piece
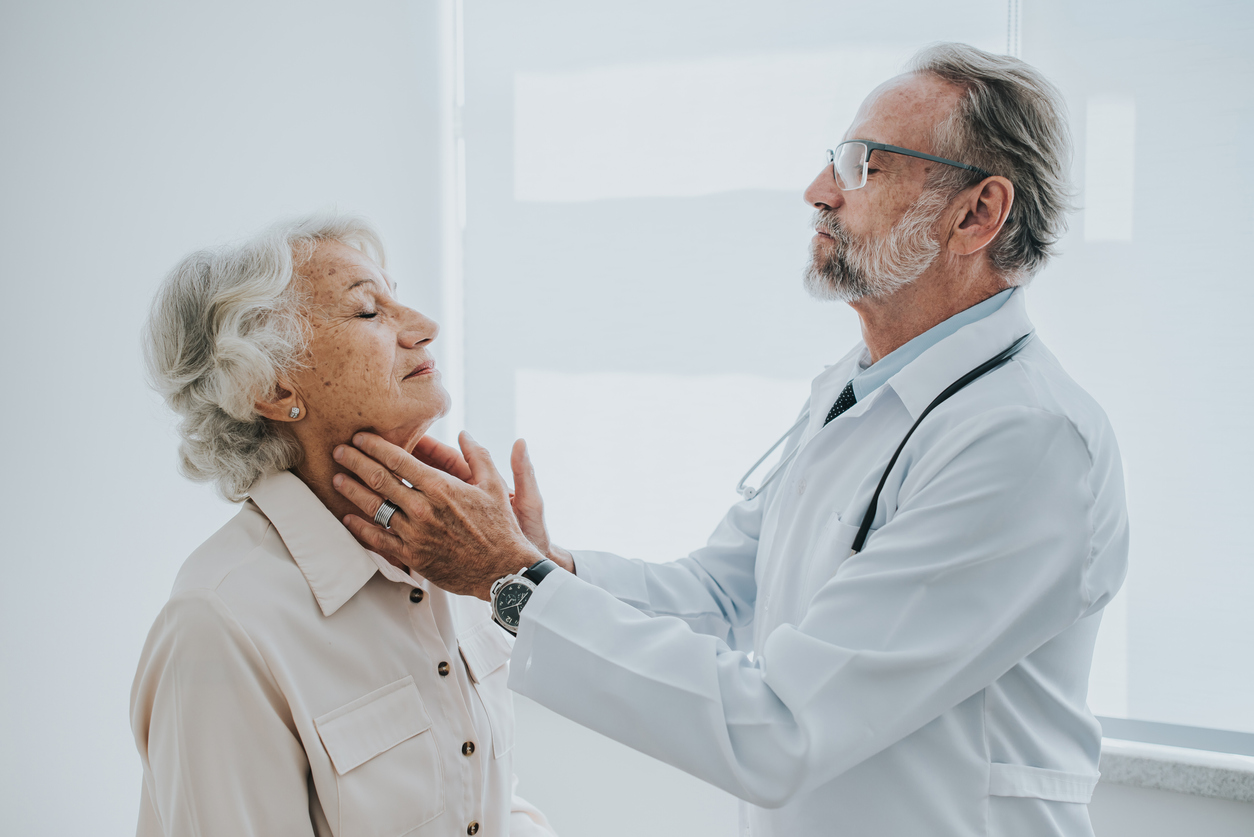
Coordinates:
(748,492)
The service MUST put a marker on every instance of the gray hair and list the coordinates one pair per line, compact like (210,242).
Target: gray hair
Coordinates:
(225,325)
(1011,121)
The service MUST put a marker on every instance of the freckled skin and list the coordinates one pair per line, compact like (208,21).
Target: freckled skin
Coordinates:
(354,373)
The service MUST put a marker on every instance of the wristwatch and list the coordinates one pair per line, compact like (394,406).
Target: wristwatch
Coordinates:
(510,593)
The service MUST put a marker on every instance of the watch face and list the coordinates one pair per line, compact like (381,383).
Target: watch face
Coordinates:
(509,601)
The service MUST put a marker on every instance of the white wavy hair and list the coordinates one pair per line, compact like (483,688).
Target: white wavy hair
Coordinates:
(225,325)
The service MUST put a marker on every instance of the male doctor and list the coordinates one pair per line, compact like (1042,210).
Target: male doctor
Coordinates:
(930,678)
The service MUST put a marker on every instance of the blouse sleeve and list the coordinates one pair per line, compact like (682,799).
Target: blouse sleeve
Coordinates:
(218,746)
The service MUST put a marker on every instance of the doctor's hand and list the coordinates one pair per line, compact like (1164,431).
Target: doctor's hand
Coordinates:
(525,499)
(529,508)
(439,455)
(461,535)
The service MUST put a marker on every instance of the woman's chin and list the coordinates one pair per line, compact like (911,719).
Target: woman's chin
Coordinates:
(406,437)
(406,429)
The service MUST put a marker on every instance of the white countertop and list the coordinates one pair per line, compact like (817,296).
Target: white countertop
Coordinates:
(1199,772)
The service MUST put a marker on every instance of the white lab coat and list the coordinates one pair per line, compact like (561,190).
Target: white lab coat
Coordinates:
(934,683)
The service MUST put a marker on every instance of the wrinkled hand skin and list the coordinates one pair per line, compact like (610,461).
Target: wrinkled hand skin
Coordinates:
(525,500)
(460,535)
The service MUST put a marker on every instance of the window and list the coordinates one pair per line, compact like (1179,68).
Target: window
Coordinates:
(634,236)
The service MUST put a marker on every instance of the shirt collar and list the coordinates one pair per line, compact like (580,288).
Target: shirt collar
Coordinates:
(875,375)
(334,565)
(921,380)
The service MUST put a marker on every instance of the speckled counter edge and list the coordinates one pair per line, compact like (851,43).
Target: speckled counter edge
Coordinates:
(1199,772)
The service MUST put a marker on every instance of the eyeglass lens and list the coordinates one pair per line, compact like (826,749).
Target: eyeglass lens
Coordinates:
(850,165)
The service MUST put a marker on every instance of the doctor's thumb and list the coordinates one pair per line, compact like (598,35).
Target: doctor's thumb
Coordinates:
(482,470)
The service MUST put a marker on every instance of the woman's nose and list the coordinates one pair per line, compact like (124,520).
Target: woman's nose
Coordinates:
(418,329)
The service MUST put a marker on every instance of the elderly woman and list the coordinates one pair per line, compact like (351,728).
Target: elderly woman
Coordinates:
(296,683)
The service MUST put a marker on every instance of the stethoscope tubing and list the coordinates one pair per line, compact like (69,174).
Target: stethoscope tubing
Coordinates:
(748,492)
(867,519)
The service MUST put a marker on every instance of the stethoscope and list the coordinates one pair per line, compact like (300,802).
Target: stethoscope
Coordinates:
(748,492)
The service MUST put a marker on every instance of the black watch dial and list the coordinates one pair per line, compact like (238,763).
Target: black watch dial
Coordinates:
(509,602)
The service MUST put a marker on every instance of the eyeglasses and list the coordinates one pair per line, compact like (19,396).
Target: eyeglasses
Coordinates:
(849,161)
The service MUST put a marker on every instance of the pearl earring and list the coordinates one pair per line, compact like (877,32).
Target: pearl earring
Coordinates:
(295,412)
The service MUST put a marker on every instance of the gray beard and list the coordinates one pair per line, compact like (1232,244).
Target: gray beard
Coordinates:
(863,267)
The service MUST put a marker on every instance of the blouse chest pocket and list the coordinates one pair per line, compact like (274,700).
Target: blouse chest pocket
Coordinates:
(485,648)
(387,765)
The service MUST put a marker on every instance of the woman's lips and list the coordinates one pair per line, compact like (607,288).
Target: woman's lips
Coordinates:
(423,369)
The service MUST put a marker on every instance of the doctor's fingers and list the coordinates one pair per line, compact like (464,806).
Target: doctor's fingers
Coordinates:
(406,539)
(374,484)
(377,539)
(483,473)
(386,543)
(526,502)
(526,498)
(400,462)
(439,455)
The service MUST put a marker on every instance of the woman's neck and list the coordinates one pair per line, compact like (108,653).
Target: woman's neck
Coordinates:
(317,471)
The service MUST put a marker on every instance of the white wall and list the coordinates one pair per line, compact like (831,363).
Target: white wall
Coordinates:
(130,134)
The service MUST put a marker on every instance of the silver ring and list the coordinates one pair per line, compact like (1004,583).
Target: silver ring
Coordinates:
(384,514)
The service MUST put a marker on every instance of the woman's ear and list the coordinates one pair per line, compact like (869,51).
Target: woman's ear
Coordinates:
(981,215)
(284,404)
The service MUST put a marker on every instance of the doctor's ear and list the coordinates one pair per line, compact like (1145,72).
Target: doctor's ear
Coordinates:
(284,404)
(981,213)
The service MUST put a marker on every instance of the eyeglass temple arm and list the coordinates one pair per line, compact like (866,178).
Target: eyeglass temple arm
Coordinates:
(871,146)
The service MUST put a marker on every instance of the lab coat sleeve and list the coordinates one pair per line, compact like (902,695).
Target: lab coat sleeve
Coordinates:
(712,590)
(525,819)
(986,558)
(219,749)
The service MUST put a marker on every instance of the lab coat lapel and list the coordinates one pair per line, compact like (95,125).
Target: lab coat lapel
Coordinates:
(934,370)
(913,388)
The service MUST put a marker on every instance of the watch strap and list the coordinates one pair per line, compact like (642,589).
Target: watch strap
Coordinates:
(537,571)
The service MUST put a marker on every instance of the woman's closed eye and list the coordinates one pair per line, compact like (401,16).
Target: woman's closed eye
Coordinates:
(367,315)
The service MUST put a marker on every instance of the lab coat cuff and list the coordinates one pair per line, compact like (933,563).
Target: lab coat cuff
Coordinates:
(532,614)
(622,578)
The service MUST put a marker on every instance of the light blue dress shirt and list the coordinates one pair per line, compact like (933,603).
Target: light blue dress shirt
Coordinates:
(874,376)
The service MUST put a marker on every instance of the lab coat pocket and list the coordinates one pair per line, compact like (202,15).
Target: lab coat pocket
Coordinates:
(486,648)
(835,543)
(1040,783)
(387,765)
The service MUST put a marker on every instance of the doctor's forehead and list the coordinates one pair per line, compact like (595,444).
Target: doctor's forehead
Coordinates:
(905,110)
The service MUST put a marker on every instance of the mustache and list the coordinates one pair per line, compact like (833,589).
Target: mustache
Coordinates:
(825,221)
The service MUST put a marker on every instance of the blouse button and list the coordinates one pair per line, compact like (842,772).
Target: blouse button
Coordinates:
(415,595)
(468,748)
(443,669)
(473,828)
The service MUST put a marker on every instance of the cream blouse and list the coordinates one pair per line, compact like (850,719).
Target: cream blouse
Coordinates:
(297,683)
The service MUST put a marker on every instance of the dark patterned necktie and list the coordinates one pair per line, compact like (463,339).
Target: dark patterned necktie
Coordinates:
(844,402)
